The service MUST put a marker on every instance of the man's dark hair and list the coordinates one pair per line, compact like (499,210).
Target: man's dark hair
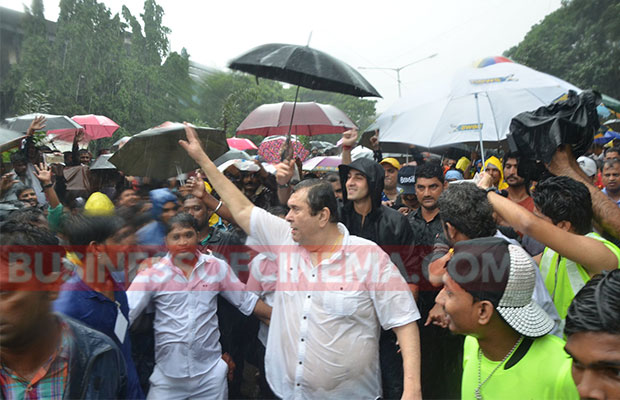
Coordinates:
(20,188)
(320,195)
(429,171)
(610,163)
(611,150)
(465,206)
(18,157)
(15,233)
(596,308)
(564,199)
(83,151)
(184,220)
(332,177)
(515,156)
(28,215)
(81,230)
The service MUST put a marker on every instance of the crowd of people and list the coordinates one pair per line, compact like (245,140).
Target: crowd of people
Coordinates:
(387,279)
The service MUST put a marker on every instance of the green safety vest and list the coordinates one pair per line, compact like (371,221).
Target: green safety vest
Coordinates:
(544,372)
(564,278)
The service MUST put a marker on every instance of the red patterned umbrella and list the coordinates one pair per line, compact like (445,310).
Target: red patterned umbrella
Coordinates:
(269,150)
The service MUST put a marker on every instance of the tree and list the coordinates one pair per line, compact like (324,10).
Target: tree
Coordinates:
(578,43)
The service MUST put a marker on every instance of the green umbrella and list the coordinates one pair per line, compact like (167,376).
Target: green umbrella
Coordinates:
(156,152)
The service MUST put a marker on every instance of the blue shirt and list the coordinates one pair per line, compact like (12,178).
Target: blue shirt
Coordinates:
(79,301)
(605,192)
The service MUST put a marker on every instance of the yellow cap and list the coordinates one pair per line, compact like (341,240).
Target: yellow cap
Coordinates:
(98,204)
(392,161)
(463,163)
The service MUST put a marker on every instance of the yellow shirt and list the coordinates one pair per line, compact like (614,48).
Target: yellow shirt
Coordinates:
(543,373)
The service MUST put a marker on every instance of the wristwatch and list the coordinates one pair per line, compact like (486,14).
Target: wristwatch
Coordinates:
(285,186)
(491,189)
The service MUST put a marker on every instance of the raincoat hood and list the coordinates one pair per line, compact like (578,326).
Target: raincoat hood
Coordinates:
(374,174)
(494,161)
(159,197)
(98,204)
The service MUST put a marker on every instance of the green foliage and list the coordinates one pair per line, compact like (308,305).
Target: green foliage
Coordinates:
(120,66)
(578,43)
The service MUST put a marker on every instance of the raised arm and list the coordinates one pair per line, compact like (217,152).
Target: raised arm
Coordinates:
(592,254)
(606,212)
(44,174)
(239,205)
(197,186)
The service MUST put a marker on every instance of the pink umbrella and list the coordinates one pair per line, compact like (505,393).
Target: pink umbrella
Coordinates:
(241,144)
(269,150)
(95,127)
(310,119)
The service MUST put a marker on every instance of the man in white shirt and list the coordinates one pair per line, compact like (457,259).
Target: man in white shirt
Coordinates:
(182,288)
(334,293)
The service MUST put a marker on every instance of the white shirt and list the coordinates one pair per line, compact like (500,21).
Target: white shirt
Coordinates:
(262,281)
(186,327)
(325,326)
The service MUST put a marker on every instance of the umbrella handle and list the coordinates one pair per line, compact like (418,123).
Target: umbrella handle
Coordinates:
(287,152)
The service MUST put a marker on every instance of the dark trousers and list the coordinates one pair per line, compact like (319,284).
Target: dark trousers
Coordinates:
(391,363)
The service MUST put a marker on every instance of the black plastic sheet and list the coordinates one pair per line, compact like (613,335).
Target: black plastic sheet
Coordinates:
(536,135)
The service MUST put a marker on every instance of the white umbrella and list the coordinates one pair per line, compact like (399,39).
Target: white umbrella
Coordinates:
(477,107)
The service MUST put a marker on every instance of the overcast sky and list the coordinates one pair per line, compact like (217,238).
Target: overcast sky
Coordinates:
(362,33)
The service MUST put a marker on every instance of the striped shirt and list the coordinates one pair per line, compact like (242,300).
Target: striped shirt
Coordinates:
(49,382)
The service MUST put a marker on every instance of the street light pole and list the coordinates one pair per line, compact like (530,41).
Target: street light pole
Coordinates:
(401,68)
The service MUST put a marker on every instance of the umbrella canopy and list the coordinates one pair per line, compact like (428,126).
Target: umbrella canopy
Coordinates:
(9,139)
(59,123)
(477,106)
(241,144)
(322,164)
(232,154)
(303,66)
(102,162)
(310,119)
(269,150)
(156,152)
(95,127)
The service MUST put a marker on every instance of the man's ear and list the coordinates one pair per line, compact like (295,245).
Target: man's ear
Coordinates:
(565,225)
(450,231)
(485,312)
(445,185)
(324,215)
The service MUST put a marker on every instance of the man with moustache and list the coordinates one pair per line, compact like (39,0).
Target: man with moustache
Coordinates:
(517,186)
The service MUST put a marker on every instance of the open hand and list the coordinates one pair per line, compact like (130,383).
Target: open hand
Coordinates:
(43,173)
(8,180)
(37,124)
(192,146)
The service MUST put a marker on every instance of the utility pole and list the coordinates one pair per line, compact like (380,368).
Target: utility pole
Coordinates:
(401,68)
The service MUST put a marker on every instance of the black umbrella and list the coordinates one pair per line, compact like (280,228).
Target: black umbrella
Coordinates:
(303,66)
(156,152)
(60,123)
(9,139)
